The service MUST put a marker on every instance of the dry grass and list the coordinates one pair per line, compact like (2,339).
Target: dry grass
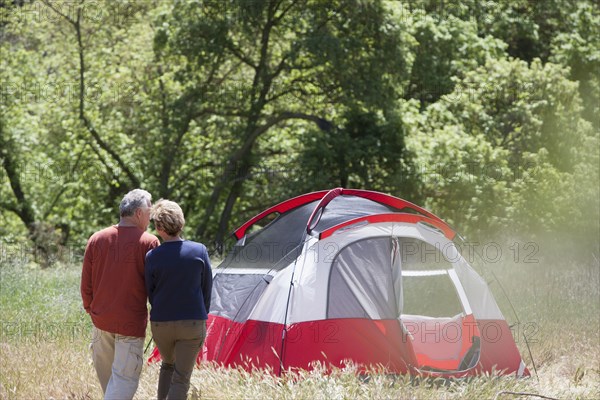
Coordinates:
(64,371)
(44,345)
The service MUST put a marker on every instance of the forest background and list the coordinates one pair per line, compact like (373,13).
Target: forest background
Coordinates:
(486,113)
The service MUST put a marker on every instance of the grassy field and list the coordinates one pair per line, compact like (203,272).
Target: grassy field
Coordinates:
(44,343)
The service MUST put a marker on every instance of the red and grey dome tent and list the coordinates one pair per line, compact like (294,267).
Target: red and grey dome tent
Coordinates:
(354,275)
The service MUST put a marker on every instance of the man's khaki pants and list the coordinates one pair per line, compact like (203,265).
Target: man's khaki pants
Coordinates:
(118,362)
(179,343)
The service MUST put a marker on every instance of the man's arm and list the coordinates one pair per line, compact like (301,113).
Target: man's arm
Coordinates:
(86,278)
(148,278)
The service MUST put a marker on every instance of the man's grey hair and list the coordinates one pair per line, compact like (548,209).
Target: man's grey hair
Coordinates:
(133,200)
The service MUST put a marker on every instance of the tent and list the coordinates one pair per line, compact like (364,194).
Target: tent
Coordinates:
(354,275)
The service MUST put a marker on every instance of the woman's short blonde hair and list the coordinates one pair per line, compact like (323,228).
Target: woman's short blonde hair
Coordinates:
(168,217)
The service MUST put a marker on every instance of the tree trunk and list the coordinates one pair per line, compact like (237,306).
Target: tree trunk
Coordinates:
(22,207)
(234,194)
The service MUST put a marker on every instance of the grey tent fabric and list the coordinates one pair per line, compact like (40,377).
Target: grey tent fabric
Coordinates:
(237,292)
(345,208)
(365,281)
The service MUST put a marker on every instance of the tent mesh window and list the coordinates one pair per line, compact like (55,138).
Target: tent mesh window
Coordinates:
(430,296)
(417,255)
(235,295)
(427,288)
(280,241)
(274,246)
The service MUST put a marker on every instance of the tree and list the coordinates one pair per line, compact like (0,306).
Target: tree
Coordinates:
(292,61)
(54,96)
(362,152)
(227,107)
(448,48)
(577,48)
(18,136)
(527,27)
(506,151)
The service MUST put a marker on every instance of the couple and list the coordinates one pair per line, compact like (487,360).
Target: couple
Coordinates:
(122,265)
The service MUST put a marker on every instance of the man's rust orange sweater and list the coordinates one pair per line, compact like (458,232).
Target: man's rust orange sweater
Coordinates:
(112,280)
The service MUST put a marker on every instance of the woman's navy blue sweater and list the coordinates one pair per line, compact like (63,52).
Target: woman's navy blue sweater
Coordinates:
(178,281)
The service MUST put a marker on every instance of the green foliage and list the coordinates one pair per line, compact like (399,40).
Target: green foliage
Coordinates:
(579,49)
(506,151)
(262,64)
(361,153)
(527,27)
(363,54)
(448,47)
(67,177)
(486,112)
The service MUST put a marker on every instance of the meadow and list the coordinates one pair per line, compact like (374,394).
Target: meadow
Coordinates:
(44,342)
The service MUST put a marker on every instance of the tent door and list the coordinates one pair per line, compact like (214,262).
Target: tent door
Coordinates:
(436,312)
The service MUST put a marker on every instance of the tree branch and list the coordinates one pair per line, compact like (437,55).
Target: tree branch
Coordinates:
(22,207)
(285,11)
(63,187)
(286,115)
(10,207)
(102,160)
(239,54)
(66,17)
(184,177)
(86,122)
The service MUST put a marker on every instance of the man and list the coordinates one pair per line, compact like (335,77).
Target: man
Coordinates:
(114,294)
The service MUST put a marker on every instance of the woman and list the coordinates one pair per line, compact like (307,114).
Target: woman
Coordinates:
(179,284)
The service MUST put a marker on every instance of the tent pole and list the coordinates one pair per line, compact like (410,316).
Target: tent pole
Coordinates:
(287,307)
